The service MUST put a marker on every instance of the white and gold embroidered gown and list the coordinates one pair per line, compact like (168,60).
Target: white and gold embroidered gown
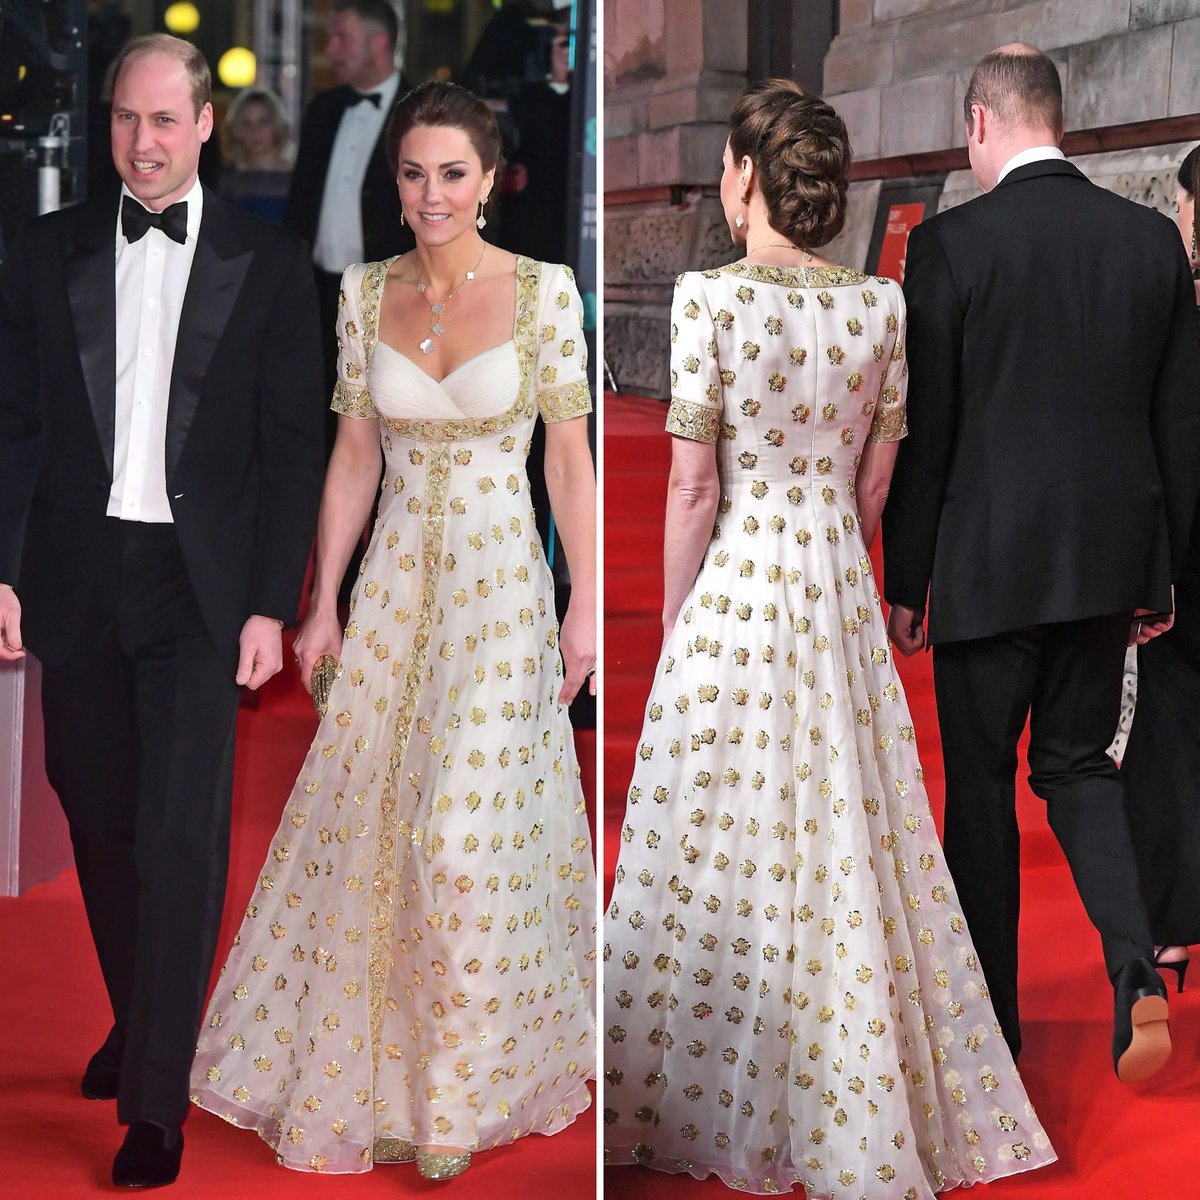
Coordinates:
(791,993)
(416,963)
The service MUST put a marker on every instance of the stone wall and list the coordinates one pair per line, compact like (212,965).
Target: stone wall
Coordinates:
(672,71)
(898,70)
(897,73)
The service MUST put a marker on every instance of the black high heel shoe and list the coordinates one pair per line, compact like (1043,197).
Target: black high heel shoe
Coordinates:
(1179,966)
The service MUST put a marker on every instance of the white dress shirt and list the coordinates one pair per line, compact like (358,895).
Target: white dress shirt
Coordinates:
(1025,157)
(339,240)
(152,277)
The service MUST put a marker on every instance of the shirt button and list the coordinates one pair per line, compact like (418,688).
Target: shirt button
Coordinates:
(146,353)
(149,301)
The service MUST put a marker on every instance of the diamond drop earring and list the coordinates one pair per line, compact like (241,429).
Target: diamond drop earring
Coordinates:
(739,220)
(481,220)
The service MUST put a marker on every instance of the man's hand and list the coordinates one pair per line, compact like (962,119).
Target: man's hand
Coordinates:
(1147,625)
(11,646)
(906,628)
(261,652)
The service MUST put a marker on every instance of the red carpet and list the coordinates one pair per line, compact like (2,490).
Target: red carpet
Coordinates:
(54,1013)
(1112,1141)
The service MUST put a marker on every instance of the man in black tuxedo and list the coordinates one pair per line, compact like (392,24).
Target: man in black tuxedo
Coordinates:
(1044,495)
(343,199)
(160,470)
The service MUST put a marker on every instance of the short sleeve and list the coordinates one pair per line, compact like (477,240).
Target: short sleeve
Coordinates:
(351,396)
(562,382)
(890,423)
(696,390)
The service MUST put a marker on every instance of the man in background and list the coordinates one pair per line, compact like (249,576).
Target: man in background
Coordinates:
(343,199)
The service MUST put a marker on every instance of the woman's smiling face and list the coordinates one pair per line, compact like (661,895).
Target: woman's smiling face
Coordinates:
(441,182)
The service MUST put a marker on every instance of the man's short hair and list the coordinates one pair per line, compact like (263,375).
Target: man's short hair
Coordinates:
(199,76)
(379,13)
(1020,85)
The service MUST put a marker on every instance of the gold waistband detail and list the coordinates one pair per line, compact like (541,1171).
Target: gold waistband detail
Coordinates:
(457,429)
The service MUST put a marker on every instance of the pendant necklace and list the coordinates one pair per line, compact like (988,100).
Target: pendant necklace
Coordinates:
(436,329)
(779,246)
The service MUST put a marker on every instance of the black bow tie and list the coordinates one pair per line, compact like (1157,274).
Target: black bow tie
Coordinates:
(359,97)
(135,220)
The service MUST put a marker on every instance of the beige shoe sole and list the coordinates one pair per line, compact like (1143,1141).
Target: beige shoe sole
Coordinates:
(1151,1044)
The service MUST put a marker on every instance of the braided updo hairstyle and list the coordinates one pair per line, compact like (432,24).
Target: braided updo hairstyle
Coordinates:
(801,154)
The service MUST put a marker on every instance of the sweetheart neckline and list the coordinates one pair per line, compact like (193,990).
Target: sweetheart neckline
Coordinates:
(449,374)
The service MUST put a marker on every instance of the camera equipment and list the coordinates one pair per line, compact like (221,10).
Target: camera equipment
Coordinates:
(42,96)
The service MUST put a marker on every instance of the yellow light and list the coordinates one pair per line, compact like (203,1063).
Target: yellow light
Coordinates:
(182,18)
(237,67)
(22,71)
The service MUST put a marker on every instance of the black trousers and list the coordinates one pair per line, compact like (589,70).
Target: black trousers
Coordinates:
(1066,678)
(140,729)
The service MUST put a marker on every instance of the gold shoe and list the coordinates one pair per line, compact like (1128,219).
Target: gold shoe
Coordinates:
(393,1150)
(442,1166)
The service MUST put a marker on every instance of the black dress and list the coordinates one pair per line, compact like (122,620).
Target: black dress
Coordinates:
(1161,769)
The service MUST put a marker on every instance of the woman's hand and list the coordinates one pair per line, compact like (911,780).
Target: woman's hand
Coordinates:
(320,634)
(577,641)
(668,624)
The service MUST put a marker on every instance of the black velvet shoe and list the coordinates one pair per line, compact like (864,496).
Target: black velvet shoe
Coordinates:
(149,1157)
(102,1077)
(1141,1035)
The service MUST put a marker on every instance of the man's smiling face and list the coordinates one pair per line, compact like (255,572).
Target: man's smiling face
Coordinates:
(156,133)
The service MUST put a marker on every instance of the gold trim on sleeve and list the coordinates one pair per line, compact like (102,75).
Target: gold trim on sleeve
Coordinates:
(891,420)
(566,401)
(352,400)
(696,422)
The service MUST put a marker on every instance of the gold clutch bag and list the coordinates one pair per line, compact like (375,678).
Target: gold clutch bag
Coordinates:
(325,670)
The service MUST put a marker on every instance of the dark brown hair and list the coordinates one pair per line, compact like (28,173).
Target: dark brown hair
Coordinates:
(801,154)
(451,107)
(1189,180)
(1020,85)
(196,65)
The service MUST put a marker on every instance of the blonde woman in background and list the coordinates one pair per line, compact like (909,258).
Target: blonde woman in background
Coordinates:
(256,138)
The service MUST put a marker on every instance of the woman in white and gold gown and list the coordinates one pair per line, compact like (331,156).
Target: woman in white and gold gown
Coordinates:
(413,977)
(791,993)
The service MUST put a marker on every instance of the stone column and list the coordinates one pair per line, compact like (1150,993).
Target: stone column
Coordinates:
(672,71)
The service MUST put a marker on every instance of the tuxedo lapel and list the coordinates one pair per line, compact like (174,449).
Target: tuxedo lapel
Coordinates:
(91,279)
(218,272)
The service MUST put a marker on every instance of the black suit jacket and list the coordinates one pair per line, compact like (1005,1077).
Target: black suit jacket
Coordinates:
(383,235)
(1053,460)
(244,441)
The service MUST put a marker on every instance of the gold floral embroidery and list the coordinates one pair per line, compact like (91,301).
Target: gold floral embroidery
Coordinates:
(798,276)
(696,422)
(459,429)
(381,943)
(890,422)
(565,401)
(352,400)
